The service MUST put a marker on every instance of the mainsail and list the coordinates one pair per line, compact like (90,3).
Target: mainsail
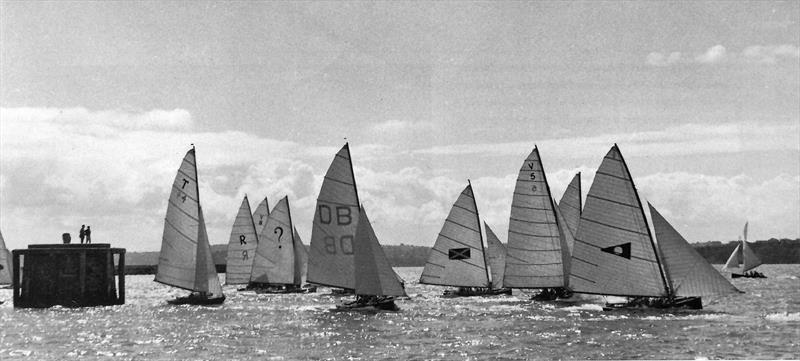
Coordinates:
(335,219)
(274,258)
(5,262)
(614,253)
(300,259)
(373,274)
(743,256)
(457,257)
(570,204)
(185,259)
(241,246)
(536,248)
(497,257)
(260,215)
(735,260)
(688,272)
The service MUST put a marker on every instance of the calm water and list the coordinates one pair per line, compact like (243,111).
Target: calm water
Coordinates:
(763,323)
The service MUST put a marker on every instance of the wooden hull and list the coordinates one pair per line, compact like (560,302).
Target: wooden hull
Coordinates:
(193,299)
(472,292)
(552,294)
(373,305)
(654,303)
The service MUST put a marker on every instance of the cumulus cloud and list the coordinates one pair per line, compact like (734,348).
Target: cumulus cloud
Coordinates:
(771,54)
(659,59)
(714,54)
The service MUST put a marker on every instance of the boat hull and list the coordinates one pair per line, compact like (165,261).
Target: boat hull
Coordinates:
(552,294)
(645,303)
(741,275)
(198,300)
(472,292)
(373,305)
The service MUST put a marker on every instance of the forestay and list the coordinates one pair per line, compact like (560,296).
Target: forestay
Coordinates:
(241,246)
(5,262)
(535,252)
(373,273)
(688,272)
(260,215)
(185,258)
(335,219)
(274,258)
(457,257)
(570,204)
(497,257)
(300,259)
(614,252)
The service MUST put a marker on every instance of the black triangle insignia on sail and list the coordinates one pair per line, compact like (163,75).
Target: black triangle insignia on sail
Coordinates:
(458,253)
(623,250)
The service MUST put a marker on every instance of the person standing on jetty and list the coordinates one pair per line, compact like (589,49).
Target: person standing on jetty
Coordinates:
(82,233)
(88,234)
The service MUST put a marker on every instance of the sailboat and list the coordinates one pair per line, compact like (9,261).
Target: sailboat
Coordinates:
(538,238)
(457,258)
(570,205)
(260,215)
(615,253)
(376,283)
(5,264)
(301,264)
(330,258)
(744,259)
(241,246)
(497,258)
(185,260)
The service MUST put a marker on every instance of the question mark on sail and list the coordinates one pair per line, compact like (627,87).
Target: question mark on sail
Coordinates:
(279,236)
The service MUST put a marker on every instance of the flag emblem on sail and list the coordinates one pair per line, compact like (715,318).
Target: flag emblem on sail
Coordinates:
(622,250)
(274,257)
(241,246)
(458,253)
(536,249)
(335,220)
(613,217)
(457,257)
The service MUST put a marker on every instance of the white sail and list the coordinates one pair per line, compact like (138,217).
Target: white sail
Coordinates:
(185,259)
(241,246)
(535,251)
(330,260)
(744,232)
(614,253)
(497,257)
(570,204)
(5,263)
(274,257)
(735,260)
(260,215)
(688,272)
(457,257)
(300,259)
(567,241)
(373,274)
(749,258)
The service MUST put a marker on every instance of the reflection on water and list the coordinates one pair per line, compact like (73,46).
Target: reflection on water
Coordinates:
(763,323)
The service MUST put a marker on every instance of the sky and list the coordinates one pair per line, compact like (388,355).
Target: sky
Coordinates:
(99,101)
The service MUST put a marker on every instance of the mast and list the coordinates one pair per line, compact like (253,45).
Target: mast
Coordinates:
(352,172)
(664,278)
(483,249)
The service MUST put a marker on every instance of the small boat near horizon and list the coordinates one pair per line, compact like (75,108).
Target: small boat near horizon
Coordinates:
(615,253)
(185,260)
(743,260)
(458,257)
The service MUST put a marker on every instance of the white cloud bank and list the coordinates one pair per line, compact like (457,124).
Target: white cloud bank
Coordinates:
(60,168)
(755,54)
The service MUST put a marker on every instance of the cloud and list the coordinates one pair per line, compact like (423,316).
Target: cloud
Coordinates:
(659,59)
(771,54)
(400,126)
(714,54)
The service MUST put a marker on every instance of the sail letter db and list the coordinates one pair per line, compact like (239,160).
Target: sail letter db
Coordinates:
(458,253)
(622,250)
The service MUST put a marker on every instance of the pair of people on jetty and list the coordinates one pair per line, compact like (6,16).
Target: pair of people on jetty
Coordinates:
(85,234)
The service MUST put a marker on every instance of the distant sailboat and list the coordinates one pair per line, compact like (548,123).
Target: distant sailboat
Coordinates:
(615,254)
(5,264)
(457,258)
(330,259)
(571,205)
(275,266)
(241,246)
(185,260)
(538,250)
(376,283)
(497,257)
(744,259)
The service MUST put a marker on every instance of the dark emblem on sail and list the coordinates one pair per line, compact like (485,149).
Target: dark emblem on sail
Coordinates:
(622,250)
(458,253)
